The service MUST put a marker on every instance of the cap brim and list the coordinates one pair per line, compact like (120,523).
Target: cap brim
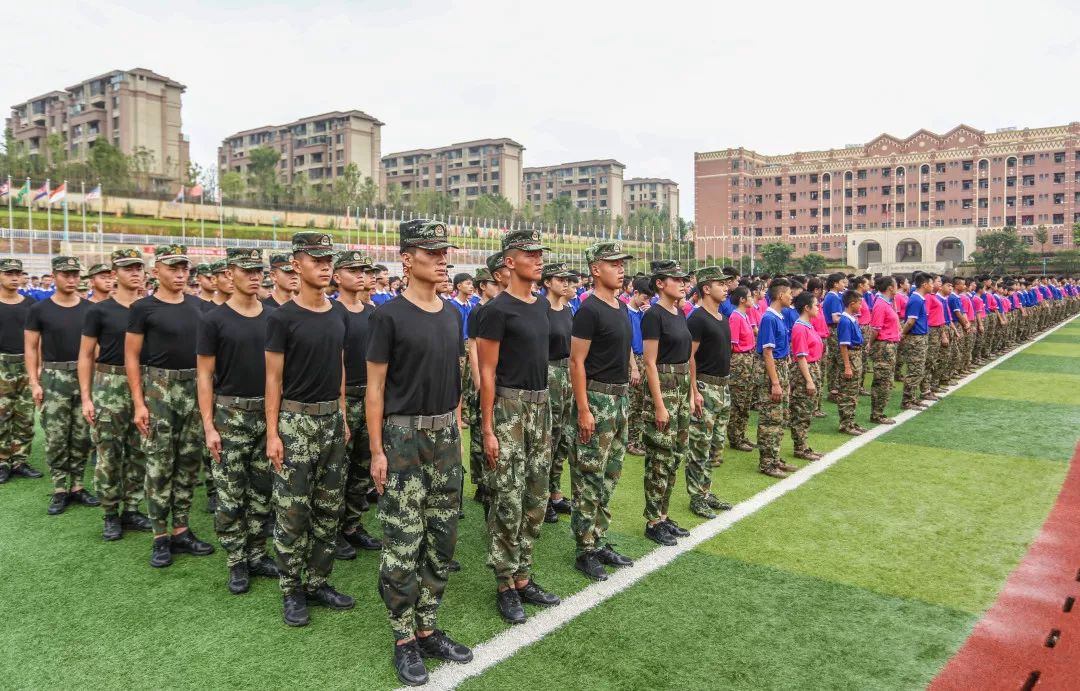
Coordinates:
(175,260)
(614,258)
(128,262)
(561,274)
(318,253)
(248,265)
(287,268)
(103,271)
(670,274)
(354,265)
(529,248)
(432,245)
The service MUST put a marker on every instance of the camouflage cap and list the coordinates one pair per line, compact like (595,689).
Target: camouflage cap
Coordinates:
(525,240)
(84,286)
(267,282)
(710,273)
(607,251)
(203,269)
(98,269)
(244,258)
(667,267)
(281,262)
(171,254)
(218,267)
(128,256)
(425,234)
(313,244)
(495,262)
(63,263)
(558,270)
(350,259)
(11,264)
(482,274)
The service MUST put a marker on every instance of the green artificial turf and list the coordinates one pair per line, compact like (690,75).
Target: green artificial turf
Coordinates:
(1032,362)
(1037,387)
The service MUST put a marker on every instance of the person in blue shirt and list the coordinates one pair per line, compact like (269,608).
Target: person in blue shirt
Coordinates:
(732,281)
(791,315)
(463,284)
(774,348)
(832,307)
(913,341)
(849,338)
(635,310)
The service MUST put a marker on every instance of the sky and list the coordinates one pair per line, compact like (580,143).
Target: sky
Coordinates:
(646,83)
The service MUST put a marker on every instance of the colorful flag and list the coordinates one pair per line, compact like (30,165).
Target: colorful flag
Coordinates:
(5,188)
(42,192)
(93,194)
(23,193)
(195,192)
(179,196)
(58,193)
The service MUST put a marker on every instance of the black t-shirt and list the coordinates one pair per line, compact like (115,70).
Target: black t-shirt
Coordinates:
(107,321)
(522,329)
(714,338)
(560,324)
(356,345)
(169,330)
(207,305)
(312,343)
(12,323)
(608,328)
(670,331)
(237,344)
(270,302)
(60,329)
(421,350)
(472,325)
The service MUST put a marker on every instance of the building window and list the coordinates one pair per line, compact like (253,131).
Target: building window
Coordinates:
(1029,160)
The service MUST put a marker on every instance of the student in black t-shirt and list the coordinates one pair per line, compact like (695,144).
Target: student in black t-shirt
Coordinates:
(120,473)
(231,382)
(413,391)
(55,325)
(306,430)
(160,339)
(286,282)
(556,279)
(17,427)
(710,407)
(355,275)
(600,367)
(222,282)
(512,347)
(489,282)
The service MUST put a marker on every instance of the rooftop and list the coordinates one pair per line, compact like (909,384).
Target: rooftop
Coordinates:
(475,142)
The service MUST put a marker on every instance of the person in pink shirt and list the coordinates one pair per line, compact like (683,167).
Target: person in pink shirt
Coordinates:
(861,285)
(807,349)
(967,346)
(742,381)
(980,323)
(884,340)
(816,286)
(937,342)
(900,301)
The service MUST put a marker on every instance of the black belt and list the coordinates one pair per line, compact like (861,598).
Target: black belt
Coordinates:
(239,403)
(674,367)
(322,408)
(714,380)
(355,391)
(11,357)
(431,422)
(110,369)
(523,395)
(562,362)
(170,374)
(62,366)
(610,389)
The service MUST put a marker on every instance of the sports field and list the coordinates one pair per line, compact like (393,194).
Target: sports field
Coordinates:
(869,575)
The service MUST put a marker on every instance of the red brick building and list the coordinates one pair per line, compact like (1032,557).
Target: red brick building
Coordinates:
(918,200)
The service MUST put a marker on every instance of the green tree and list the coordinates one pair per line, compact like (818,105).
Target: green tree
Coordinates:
(812,263)
(233,186)
(368,194)
(263,173)
(347,186)
(109,167)
(560,211)
(997,250)
(775,257)
(141,164)
(1041,236)
(431,203)
(493,206)
(1076,233)
(194,175)
(394,196)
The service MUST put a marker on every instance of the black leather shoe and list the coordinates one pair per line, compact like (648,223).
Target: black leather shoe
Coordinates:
(453,566)
(133,520)
(658,533)
(295,610)
(409,665)
(326,596)
(58,503)
(563,506)
(673,528)
(187,543)
(113,529)
(718,504)
(535,595)
(607,555)
(480,496)
(343,550)
(27,471)
(83,497)
(5,473)
(239,581)
(588,564)
(362,539)
(161,552)
(441,647)
(509,605)
(264,566)
(549,515)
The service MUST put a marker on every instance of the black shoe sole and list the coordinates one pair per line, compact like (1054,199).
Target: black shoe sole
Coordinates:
(599,578)
(176,551)
(235,591)
(297,623)
(418,682)
(317,603)
(161,566)
(112,538)
(539,604)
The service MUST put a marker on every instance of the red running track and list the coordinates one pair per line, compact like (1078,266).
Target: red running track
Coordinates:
(1030,638)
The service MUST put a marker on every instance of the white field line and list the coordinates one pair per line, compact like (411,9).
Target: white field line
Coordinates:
(509,642)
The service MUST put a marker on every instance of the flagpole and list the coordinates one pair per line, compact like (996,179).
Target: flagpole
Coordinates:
(11,216)
(101,219)
(30,214)
(183,213)
(202,221)
(48,214)
(82,190)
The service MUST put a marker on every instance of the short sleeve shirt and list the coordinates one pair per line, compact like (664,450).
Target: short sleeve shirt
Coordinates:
(916,309)
(774,334)
(848,332)
(805,342)
(60,328)
(885,321)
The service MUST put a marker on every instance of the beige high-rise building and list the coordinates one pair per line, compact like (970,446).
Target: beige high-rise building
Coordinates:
(651,193)
(462,171)
(588,184)
(137,111)
(319,146)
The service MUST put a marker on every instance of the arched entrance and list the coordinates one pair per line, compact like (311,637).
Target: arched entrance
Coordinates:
(949,250)
(869,253)
(908,251)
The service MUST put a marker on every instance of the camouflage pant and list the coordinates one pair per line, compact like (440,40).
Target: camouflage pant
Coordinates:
(120,473)
(947,358)
(16,414)
(801,412)
(243,482)
(847,395)
(664,450)
(933,358)
(817,370)
(357,466)
(866,353)
(635,418)
(832,360)
(741,387)
(595,468)
(772,416)
(309,497)
(884,359)
(519,486)
(912,355)
(419,513)
(173,451)
(477,467)
(707,436)
(989,335)
(561,398)
(67,435)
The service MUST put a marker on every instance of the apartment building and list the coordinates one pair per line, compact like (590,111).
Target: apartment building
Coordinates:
(463,171)
(596,184)
(651,193)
